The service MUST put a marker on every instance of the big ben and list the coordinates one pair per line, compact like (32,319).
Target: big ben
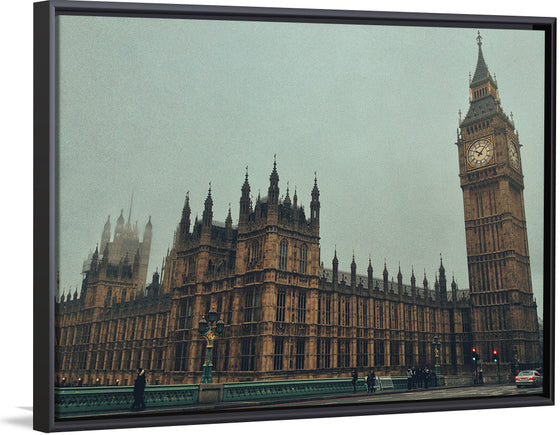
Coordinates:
(504,316)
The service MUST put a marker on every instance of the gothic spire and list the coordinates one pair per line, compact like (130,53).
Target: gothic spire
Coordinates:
(207,214)
(273,190)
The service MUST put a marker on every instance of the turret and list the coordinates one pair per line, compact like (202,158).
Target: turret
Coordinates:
(370,276)
(413,283)
(454,289)
(353,272)
(207,214)
(94,261)
(106,235)
(273,189)
(425,284)
(315,207)
(245,201)
(385,277)
(119,229)
(185,223)
(442,279)
(335,270)
(399,281)
(229,224)
(147,236)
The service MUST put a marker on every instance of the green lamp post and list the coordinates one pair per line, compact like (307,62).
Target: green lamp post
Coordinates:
(437,345)
(209,329)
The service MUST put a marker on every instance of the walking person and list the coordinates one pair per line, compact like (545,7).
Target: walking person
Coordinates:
(354,379)
(139,387)
(409,378)
(372,381)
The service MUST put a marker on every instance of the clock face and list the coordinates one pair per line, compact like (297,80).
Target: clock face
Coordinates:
(480,153)
(513,154)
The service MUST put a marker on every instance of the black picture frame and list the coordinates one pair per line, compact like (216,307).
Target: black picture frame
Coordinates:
(44,204)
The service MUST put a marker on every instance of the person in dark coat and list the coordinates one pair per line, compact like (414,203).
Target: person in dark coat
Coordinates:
(354,379)
(139,387)
(371,382)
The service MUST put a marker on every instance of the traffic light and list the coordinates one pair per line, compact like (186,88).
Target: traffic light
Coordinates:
(474,354)
(495,356)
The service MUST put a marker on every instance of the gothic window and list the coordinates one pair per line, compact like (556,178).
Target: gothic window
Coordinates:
(379,353)
(254,254)
(153,326)
(278,353)
(248,349)
(283,259)
(281,305)
(394,353)
(324,353)
(164,325)
(303,259)
(408,353)
(133,329)
(225,358)
(343,353)
(159,359)
(191,268)
(362,353)
(251,304)
(300,353)
(181,351)
(301,308)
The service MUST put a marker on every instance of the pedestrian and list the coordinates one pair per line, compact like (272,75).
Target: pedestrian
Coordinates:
(139,387)
(409,378)
(354,379)
(372,381)
(426,376)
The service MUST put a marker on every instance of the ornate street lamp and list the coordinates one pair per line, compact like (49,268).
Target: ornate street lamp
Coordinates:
(436,345)
(209,329)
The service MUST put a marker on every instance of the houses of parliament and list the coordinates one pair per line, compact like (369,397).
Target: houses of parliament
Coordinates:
(288,315)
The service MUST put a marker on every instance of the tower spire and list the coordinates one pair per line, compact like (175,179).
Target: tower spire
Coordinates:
(130,209)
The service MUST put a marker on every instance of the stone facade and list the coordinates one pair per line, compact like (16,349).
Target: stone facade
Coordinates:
(286,315)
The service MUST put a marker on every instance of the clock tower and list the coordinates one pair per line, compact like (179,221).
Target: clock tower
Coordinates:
(504,316)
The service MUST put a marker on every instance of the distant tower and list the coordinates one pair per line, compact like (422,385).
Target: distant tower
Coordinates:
(124,246)
(491,176)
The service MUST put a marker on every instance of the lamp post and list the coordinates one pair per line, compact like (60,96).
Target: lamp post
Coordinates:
(436,345)
(209,329)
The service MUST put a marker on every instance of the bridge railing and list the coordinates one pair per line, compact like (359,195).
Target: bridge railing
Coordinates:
(99,400)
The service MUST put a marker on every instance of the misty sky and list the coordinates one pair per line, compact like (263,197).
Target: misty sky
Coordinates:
(156,108)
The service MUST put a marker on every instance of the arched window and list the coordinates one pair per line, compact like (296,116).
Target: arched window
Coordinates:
(283,259)
(253,253)
(303,259)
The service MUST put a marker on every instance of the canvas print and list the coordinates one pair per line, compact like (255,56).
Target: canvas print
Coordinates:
(279,214)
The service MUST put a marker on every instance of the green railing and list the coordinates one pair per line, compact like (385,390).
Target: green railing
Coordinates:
(292,388)
(71,402)
(97,400)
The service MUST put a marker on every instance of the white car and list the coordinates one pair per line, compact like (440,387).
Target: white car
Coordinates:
(528,378)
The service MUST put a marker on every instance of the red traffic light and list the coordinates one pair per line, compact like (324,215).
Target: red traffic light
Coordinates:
(495,352)
(474,349)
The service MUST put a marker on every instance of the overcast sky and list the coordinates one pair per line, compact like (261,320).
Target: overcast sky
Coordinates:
(155,108)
